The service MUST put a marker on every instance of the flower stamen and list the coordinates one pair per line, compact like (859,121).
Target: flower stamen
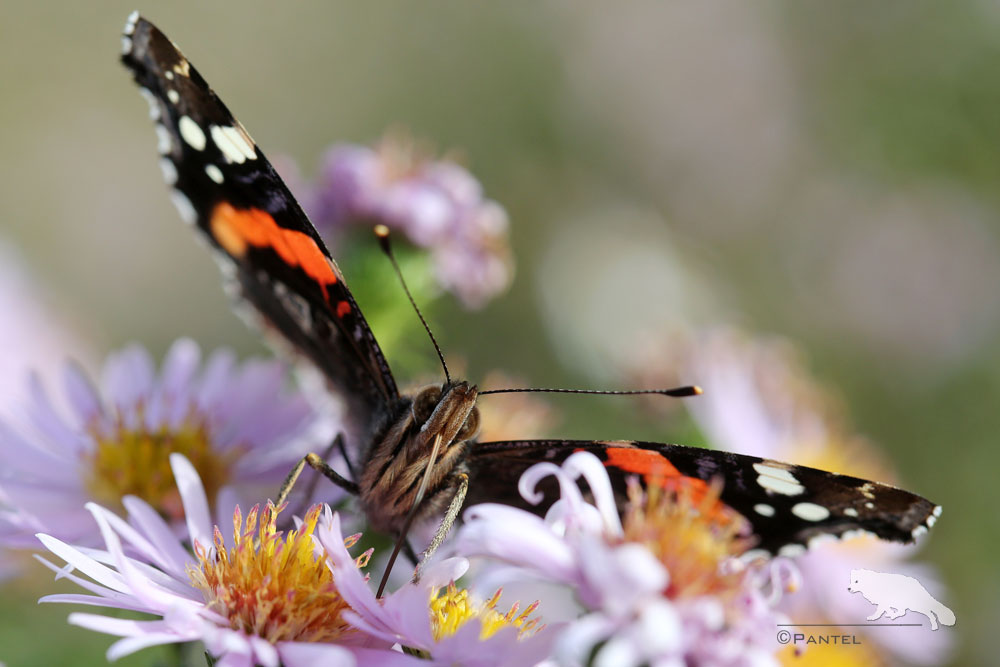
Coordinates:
(454,608)
(693,534)
(272,585)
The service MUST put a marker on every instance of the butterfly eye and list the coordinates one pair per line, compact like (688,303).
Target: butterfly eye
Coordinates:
(470,429)
(425,402)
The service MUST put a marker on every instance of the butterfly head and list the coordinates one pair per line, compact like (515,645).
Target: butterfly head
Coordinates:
(435,426)
(449,410)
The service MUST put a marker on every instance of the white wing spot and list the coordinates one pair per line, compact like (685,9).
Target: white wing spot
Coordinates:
(184,207)
(233,144)
(791,550)
(229,150)
(126,45)
(130,22)
(191,133)
(214,173)
(173,96)
(169,170)
(870,506)
(243,140)
(850,511)
(154,104)
(164,141)
(763,509)
(822,538)
(810,511)
(918,531)
(777,480)
(169,75)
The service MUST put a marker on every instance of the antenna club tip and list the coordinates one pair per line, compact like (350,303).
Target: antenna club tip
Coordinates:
(382,234)
(682,392)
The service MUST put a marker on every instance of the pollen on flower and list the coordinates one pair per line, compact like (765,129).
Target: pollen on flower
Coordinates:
(856,654)
(272,585)
(136,461)
(453,609)
(693,535)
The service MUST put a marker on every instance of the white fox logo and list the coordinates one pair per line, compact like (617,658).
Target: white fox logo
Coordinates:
(895,594)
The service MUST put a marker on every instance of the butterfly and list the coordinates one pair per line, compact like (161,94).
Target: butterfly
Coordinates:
(417,455)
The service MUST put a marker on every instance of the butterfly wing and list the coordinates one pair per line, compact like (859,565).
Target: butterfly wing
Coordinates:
(222,183)
(787,505)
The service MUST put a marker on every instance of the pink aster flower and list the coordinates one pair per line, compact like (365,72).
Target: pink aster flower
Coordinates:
(664,586)
(237,424)
(760,400)
(255,596)
(440,622)
(437,204)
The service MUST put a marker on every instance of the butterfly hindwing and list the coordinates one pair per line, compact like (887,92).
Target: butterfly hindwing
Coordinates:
(225,185)
(786,505)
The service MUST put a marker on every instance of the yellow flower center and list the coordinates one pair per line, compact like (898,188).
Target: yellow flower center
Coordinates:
(821,655)
(276,587)
(453,609)
(692,538)
(137,462)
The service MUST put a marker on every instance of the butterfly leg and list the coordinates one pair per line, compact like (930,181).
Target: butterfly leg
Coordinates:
(319,465)
(338,443)
(446,523)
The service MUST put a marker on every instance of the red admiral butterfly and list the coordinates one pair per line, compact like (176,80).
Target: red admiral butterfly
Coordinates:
(222,183)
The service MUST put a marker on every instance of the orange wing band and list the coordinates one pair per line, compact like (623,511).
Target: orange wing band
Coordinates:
(656,469)
(235,229)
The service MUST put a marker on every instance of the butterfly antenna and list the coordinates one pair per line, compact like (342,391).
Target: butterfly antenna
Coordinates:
(382,234)
(677,392)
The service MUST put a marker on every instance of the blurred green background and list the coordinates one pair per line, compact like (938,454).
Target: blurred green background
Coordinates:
(824,171)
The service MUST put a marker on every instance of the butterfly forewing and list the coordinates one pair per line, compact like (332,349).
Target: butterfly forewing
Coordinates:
(223,183)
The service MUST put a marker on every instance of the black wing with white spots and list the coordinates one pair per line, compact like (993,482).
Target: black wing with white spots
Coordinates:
(222,182)
(788,506)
